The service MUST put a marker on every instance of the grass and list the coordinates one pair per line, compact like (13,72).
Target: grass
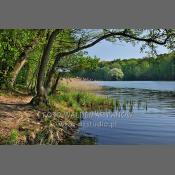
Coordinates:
(80,100)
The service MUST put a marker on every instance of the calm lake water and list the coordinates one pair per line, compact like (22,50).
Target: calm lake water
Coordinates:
(144,114)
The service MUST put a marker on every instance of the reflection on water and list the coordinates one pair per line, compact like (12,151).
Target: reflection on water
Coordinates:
(148,117)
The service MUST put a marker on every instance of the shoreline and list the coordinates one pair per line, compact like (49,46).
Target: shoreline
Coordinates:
(27,125)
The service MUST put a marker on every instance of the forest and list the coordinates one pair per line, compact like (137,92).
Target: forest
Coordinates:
(161,67)
(34,64)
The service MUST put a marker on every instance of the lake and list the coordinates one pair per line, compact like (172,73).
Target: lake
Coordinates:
(144,114)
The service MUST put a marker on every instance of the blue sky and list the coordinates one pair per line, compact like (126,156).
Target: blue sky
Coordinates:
(109,51)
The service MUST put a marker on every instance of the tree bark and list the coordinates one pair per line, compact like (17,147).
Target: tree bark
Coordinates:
(51,77)
(18,66)
(55,86)
(41,96)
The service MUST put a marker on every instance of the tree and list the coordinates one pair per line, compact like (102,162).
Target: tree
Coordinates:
(85,38)
(116,74)
(16,45)
(22,59)
(41,91)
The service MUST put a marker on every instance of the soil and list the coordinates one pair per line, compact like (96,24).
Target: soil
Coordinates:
(16,113)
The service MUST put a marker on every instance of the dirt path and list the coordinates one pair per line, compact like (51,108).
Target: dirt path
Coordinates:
(14,112)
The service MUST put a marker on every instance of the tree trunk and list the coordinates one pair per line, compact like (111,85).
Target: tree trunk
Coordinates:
(55,86)
(50,77)
(41,96)
(18,66)
(20,62)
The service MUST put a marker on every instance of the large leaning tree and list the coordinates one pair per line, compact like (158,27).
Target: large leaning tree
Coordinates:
(80,39)
(16,45)
(36,38)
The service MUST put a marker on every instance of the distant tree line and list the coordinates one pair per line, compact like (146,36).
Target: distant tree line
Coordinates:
(161,67)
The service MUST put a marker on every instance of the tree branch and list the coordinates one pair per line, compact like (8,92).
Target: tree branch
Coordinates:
(123,33)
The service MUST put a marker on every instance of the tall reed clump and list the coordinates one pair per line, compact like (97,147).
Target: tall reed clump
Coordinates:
(81,100)
(80,85)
